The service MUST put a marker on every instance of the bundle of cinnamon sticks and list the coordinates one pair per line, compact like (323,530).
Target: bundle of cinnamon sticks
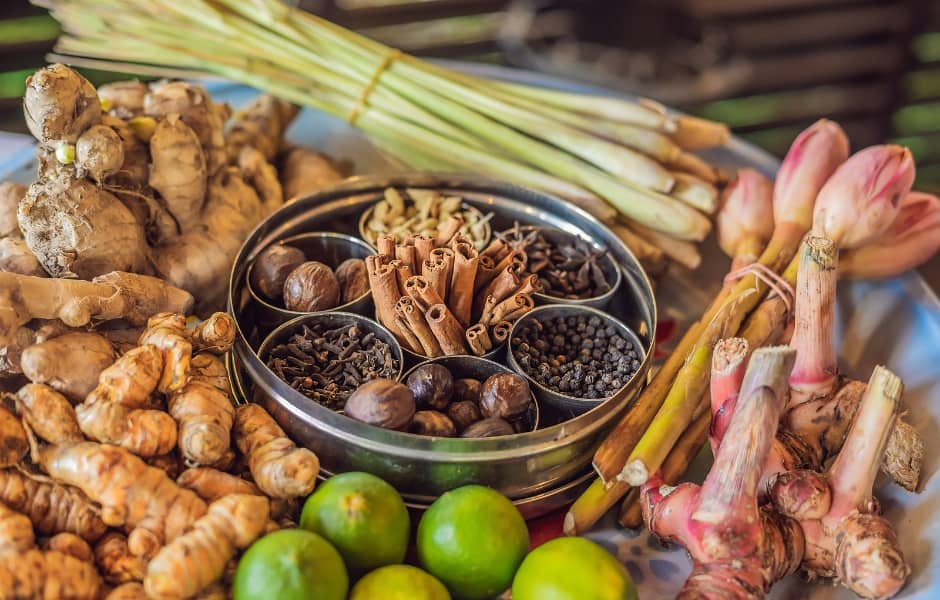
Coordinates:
(439,296)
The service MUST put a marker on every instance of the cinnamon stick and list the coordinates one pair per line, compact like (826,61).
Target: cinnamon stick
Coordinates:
(501,287)
(447,230)
(486,313)
(446,329)
(406,254)
(383,281)
(514,257)
(386,245)
(421,291)
(500,331)
(486,271)
(460,296)
(512,308)
(402,271)
(444,256)
(409,337)
(530,285)
(423,246)
(436,273)
(497,249)
(414,319)
(478,338)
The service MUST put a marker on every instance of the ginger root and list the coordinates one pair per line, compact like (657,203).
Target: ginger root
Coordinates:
(178,170)
(130,492)
(304,172)
(192,104)
(59,105)
(115,562)
(48,414)
(278,466)
(76,303)
(16,257)
(77,229)
(260,124)
(13,441)
(10,195)
(197,558)
(114,412)
(99,153)
(52,508)
(69,364)
(123,99)
(204,413)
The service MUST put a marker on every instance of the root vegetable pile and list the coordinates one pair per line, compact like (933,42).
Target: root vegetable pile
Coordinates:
(91,458)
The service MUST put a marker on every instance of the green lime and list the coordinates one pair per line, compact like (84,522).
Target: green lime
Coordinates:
(364,517)
(399,582)
(572,568)
(473,539)
(290,564)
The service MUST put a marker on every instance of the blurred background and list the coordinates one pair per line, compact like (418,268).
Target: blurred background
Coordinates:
(766,67)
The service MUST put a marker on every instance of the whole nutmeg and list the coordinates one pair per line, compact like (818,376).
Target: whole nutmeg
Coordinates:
(383,403)
(272,267)
(505,395)
(432,386)
(310,287)
(431,422)
(353,279)
(464,413)
(492,427)
(466,389)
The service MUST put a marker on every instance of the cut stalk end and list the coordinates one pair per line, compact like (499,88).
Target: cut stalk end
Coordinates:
(635,473)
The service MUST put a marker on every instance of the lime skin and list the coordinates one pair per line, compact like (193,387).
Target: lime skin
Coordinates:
(572,568)
(399,582)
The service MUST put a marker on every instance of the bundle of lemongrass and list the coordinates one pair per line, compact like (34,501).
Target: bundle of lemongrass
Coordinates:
(617,159)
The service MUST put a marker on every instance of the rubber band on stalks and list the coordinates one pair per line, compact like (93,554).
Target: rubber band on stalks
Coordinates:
(393,55)
(775,282)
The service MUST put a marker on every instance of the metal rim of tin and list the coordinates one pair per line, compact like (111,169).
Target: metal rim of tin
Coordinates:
(489,364)
(561,399)
(480,244)
(599,301)
(296,213)
(293,314)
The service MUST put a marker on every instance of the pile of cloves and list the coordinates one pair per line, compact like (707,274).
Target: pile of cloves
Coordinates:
(570,269)
(432,402)
(328,364)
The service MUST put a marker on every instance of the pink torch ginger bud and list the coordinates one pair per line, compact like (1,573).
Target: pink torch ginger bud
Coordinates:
(746,219)
(911,240)
(813,157)
(862,198)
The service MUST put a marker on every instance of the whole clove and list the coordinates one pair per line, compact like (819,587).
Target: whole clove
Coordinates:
(570,269)
(579,355)
(328,364)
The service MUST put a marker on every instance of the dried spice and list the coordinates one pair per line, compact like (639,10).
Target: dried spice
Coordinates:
(570,269)
(580,356)
(327,365)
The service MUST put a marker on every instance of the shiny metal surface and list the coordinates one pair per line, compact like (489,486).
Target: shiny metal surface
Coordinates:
(328,248)
(478,368)
(564,402)
(520,466)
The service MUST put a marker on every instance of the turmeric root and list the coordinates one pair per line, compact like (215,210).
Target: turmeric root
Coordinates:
(178,170)
(195,559)
(113,412)
(278,466)
(59,105)
(115,295)
(69,364)
(211,484)
(77,229)
(204,414)
(52,508)
(11,194)
(215,334)
(130,492)
(71,544)
(167,333)
(132,590)
(304,172)
(260,124)
(115,562)
(169,463)
(16,257)
(13,441)
(48,414)
(26,572)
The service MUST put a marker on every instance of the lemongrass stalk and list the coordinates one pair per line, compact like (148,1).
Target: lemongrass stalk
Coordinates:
(853,472)
(650,256)
(815,371)
(591,505)
(692,164)
(695,192)
(687,448)
(684,253)
(695,133)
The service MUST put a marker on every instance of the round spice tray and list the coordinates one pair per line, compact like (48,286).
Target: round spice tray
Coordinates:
(532,467)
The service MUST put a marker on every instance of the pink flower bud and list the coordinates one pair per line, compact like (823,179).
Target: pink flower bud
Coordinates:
(813,157)
(746,218)
(911,240)
(861,199)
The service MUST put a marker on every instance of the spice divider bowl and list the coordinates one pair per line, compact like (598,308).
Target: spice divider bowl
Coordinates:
(477,367)
(333,319)
(566,403)
(527,465)
(607,264)
(480,244)
(326,247)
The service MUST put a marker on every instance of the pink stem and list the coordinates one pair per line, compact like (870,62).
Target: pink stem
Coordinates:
(814,373)
(728,364)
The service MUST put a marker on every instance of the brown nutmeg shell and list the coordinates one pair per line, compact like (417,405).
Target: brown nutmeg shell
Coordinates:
(383,403)
(505,395)
(310,287)
(353,279)
(271,268)
(432,422)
